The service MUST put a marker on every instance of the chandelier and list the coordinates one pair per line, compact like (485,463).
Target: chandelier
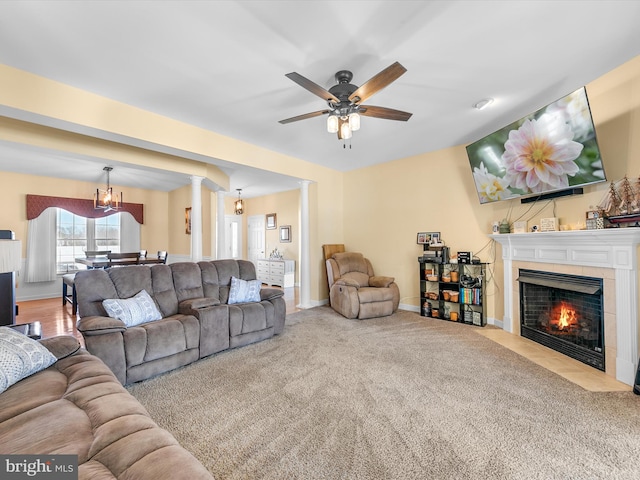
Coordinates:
(238,205)
(105,199)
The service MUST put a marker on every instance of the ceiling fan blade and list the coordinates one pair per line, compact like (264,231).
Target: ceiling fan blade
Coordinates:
(386,113)
(312,87)
(305,116)
(377,83)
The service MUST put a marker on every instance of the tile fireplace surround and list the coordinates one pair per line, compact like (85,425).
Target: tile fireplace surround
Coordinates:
(610,254)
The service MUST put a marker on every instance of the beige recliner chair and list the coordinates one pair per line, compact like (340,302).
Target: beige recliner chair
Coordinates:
(355,291)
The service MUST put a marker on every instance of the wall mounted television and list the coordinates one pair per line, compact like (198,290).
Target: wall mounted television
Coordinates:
(551,152)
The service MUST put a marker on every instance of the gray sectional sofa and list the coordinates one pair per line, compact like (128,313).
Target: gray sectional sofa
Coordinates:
(196,321)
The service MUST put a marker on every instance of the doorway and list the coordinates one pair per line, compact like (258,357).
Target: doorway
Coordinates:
(255,238)
(233,236)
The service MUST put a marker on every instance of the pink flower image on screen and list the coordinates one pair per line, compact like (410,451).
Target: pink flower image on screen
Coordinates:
(540,155)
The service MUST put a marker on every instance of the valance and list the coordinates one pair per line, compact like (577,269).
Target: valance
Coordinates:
(36,204)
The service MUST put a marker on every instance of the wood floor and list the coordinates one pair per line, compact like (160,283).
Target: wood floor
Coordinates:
(57,319)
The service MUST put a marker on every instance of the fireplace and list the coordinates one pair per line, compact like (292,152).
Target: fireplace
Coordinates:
(564,312)
(609,254)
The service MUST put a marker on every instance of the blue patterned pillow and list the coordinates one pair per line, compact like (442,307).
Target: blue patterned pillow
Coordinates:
(20,356)
(244,291)
(133,311)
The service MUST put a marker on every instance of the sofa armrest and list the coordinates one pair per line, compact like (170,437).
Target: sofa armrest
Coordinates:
(381,281)
(100,325)
(61,346)
(270,293)
(186,307)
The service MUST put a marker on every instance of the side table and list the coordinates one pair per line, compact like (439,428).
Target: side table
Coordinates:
(31,330)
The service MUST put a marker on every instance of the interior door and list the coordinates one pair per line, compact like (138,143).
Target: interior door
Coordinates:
(255,238)
(233,236)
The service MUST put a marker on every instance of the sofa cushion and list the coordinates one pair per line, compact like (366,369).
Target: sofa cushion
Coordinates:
(20,357)
(164,292)
(243,291)
(361,279)
(351,262)
(374,294)
(133,311)
(187,280)
(129,280)
(210,281)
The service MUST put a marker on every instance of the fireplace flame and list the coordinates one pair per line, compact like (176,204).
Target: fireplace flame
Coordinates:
(566,316)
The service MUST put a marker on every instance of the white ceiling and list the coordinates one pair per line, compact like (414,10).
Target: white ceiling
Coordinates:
(221,65)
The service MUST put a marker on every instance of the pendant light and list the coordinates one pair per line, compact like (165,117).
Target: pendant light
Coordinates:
(238,205)
(105,199)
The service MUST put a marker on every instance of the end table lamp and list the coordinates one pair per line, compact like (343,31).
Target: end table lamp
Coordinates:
(10,262)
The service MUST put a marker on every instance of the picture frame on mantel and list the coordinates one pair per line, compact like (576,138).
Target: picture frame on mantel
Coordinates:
(271,221)
(285,234)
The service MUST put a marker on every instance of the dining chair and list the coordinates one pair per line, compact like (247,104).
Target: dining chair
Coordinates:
(120,259)
(96,253)
(163,255)
(69,281)
(69,291)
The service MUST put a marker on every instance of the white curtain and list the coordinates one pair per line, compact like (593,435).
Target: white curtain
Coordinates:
(41,248)
(129,233)
(91,234)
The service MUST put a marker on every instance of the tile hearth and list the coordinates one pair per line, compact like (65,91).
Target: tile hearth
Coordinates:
(576,372)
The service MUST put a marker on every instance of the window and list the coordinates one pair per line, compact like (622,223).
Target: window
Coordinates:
(107,236)
(76,234)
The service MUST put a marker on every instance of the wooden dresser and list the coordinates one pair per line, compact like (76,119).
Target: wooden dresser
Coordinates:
(277,272)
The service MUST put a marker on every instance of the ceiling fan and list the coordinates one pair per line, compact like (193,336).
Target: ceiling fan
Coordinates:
(345,100)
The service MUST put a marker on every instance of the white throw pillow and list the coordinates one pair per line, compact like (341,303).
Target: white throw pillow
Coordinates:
(133,311)
(243,291)
(20,356)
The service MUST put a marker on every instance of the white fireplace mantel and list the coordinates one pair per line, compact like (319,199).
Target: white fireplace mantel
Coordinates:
(614,248)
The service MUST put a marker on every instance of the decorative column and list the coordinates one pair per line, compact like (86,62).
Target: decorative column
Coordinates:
(305,271)
(196,218)
(220,224)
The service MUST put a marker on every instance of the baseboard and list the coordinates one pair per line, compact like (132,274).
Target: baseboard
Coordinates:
(313,303)
(495,322)
(409,308)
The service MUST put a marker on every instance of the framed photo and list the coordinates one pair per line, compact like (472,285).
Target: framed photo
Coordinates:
(428,238)
(187,221)
(271,221)
(285,234)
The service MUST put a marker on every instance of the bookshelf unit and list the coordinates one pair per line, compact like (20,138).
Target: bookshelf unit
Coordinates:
(453,291)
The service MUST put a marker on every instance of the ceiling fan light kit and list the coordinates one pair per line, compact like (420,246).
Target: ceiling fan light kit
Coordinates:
(345,100)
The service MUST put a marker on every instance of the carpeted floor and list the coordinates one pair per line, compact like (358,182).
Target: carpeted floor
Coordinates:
(400,397)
